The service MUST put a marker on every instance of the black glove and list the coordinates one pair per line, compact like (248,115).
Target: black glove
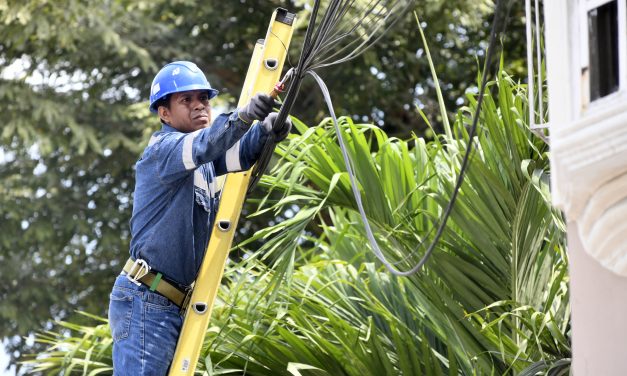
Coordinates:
(257,109)
(276,134)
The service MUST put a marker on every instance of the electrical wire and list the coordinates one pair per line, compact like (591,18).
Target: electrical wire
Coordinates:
(315,54)
(460,179)
(335,36)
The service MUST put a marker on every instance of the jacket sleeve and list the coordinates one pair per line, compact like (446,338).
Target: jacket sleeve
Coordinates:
(245,152)
(179,154)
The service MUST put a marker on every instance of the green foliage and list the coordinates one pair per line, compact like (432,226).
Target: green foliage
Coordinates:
(491,300)
(76,349)
(503,249)
(333,317)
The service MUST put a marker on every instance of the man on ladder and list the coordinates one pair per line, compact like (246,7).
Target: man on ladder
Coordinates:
(175,205)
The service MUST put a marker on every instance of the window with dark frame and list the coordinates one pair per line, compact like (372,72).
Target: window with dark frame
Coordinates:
(603,50)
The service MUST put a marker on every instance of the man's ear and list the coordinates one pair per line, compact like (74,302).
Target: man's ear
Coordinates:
(164,113)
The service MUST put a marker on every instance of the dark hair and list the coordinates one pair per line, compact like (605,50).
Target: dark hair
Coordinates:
(165,102)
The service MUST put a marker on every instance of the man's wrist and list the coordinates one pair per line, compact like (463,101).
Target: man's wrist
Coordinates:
(243,118)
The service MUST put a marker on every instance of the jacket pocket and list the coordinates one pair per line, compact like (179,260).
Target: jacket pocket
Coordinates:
(120,312)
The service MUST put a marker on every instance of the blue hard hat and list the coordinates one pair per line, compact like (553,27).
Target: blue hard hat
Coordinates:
(177,77)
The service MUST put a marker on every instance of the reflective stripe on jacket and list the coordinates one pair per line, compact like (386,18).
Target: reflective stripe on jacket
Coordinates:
(175,199)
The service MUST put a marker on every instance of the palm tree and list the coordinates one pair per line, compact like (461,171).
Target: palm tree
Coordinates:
(493,297)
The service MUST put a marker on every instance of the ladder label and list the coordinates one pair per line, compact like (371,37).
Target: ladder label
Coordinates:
(185,365)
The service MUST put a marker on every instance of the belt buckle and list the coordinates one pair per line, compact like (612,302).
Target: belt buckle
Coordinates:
(139,269)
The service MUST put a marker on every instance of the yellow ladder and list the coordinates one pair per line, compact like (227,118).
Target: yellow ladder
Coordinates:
(263,73)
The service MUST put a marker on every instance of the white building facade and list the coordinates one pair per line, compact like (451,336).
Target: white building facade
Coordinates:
(586,65)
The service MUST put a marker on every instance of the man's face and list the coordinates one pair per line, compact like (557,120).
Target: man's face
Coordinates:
(188,112)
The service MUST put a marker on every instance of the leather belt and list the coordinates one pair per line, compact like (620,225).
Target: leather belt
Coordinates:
(156,283)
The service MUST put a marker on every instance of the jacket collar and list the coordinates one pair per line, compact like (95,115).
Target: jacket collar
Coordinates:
(168,128)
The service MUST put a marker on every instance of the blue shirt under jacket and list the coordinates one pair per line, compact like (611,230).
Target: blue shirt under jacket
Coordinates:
(176,198)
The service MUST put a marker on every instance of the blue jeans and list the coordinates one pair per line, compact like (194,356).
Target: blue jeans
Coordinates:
(145,327)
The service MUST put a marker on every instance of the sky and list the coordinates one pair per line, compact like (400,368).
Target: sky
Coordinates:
(4,362)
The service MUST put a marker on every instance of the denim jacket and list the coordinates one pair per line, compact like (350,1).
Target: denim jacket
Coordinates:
(176,198)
